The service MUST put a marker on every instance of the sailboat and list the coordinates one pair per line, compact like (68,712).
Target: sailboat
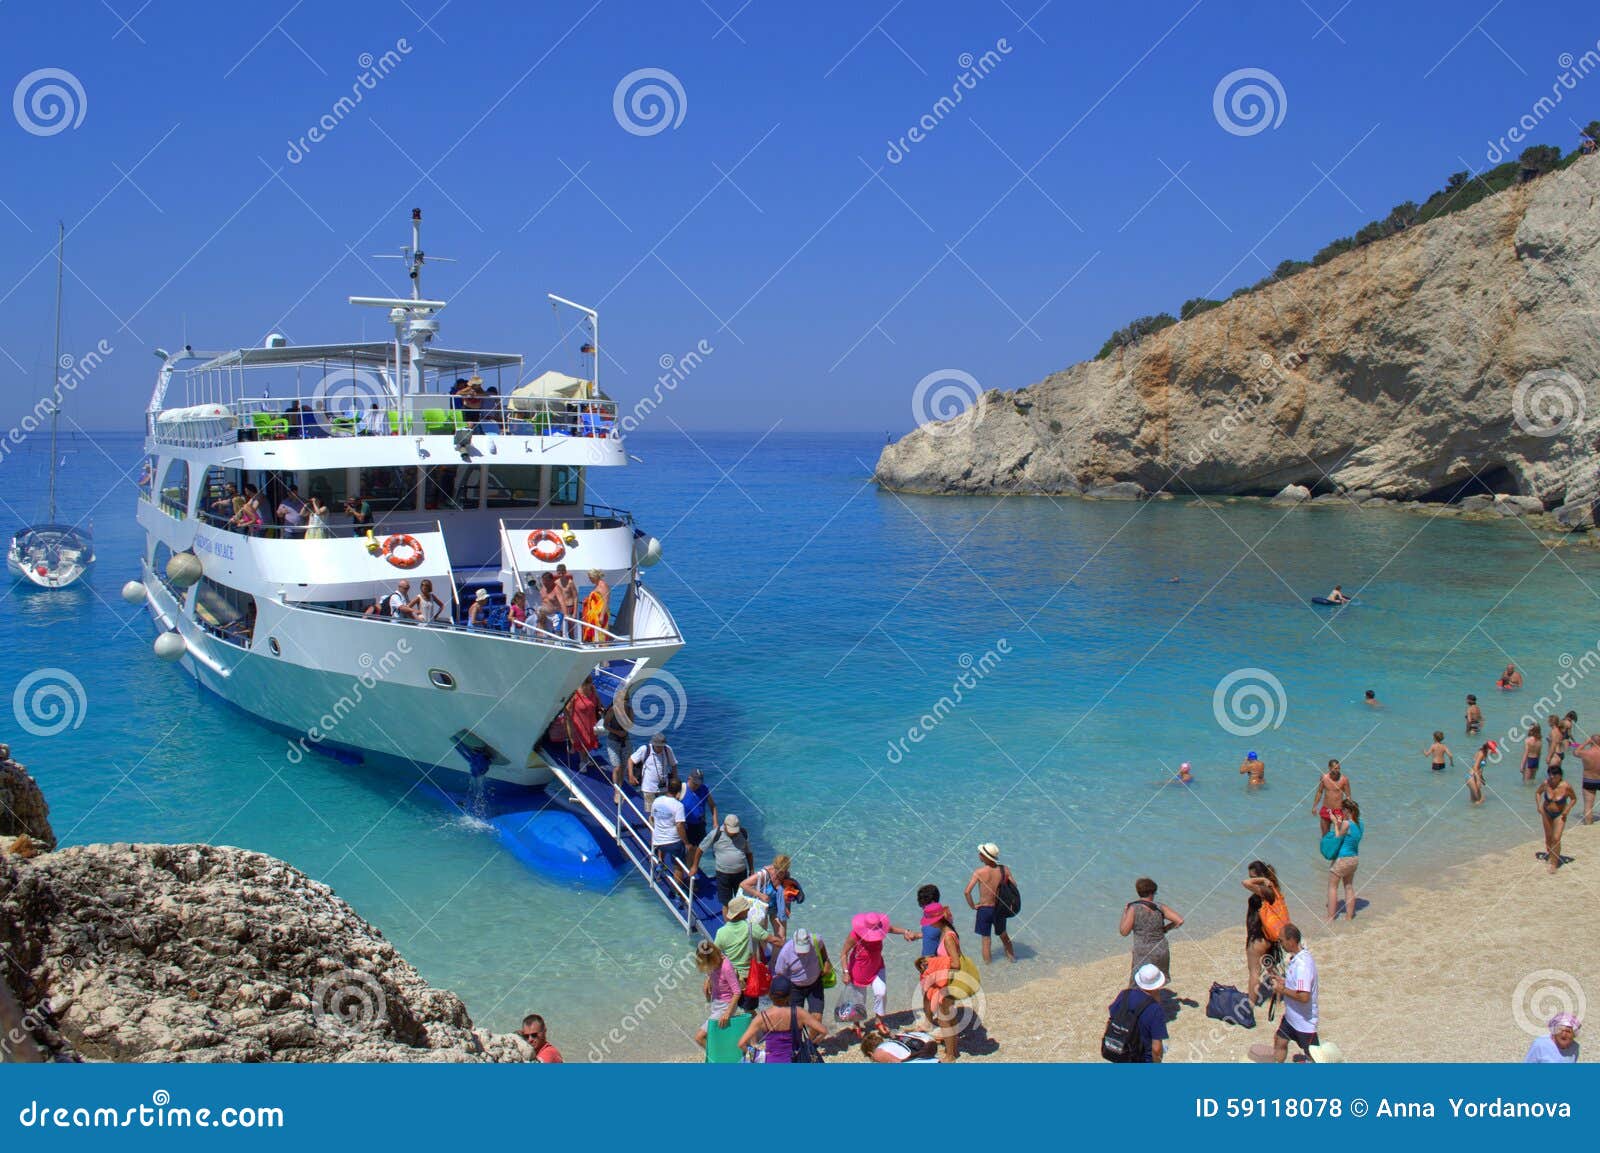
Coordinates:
(52,555)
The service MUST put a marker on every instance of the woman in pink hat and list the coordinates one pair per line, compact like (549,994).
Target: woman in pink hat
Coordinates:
(863,961)
(935,973)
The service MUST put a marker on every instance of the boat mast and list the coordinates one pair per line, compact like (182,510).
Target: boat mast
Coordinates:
(55,367)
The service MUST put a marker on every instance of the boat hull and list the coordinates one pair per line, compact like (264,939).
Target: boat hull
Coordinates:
(370,690)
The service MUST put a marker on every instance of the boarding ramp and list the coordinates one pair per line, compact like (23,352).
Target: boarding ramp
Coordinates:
(618,812)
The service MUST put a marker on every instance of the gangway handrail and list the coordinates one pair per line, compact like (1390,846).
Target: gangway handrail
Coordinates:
(641,857)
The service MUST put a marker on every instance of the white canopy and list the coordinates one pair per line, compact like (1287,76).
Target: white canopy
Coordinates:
(552,386)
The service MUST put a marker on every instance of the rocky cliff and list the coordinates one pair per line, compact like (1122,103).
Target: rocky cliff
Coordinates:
(1461,356)
(23,811)
(200,953)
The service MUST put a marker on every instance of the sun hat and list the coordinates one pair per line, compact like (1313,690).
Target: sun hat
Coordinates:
(934,914)
(738,907)
(989,851)
(1326,1053)
(1565,1021)
(869,927)
(483,595)
(1150,978)
(802,941)
(730,824)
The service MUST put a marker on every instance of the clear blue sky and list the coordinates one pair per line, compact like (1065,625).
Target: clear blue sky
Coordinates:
(756,223)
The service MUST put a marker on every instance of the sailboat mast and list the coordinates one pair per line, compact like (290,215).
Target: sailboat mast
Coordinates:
(55,367)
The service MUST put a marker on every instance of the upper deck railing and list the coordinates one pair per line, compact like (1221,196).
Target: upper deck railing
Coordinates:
(428,414)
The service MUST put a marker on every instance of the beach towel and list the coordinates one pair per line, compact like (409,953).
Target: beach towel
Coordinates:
(722,1045)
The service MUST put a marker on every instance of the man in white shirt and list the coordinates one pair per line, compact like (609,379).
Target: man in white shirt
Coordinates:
(653,765)
(374,422)
(1298,988)
(668,838)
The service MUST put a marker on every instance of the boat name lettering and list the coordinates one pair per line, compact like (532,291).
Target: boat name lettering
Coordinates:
(206,544)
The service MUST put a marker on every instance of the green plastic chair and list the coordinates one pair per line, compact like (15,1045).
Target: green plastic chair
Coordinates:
(395,426)
(437,421)
(270,427)
(722,1045)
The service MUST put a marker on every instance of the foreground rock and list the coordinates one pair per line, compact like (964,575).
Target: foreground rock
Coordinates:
(1459,356)
(199,953)
(23,811)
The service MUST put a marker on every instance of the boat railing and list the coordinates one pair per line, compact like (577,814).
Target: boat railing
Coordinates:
(297,417)
(639,847)
(515,632)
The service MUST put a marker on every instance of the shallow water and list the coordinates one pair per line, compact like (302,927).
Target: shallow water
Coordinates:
(826,620)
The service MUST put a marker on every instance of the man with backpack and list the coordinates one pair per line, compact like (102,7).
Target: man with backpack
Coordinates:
(1136,1028)
(998,898)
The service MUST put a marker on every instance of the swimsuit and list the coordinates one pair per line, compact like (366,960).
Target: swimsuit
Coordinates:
(1438,766)
(1560,807)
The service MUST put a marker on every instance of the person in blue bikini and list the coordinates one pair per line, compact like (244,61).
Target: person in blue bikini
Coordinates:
(1555,798)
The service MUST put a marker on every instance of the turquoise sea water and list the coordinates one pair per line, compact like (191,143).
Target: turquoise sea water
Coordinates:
(825,621)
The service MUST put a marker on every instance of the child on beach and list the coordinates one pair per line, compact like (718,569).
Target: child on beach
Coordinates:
(1255,769)
(1475,774)
(1474,716)
(1438,752)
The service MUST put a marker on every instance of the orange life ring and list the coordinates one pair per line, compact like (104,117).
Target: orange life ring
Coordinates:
(546,537)
(413,551)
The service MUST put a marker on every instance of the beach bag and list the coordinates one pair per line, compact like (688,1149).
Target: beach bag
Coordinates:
(802,1046)
(1120,1041)
(1226,1003)
(759,979)
(1331,846)
(1007,897)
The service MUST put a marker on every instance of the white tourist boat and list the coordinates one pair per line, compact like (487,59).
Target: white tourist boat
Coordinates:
(279,619)
(52,555)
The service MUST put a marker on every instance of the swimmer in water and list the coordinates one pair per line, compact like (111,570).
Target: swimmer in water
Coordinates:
(1372,700)
(1510,679)
(1475,774)
(1474,716)
(1255,769)
(1332,792)
(1185,776)
(1438,753)
(1337,596)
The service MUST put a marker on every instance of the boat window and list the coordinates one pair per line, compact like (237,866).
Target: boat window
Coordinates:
(566,483)
(147,476)
(158,565)
(389,489)
(328,486)
(221,494)
(448,486)
(225,613)
(514,485)
(175,489)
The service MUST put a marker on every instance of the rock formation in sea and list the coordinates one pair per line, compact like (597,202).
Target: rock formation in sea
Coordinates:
(23,811)
(1458,357)
(204,953)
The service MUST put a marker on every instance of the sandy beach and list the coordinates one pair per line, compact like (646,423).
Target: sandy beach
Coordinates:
(1458,970)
